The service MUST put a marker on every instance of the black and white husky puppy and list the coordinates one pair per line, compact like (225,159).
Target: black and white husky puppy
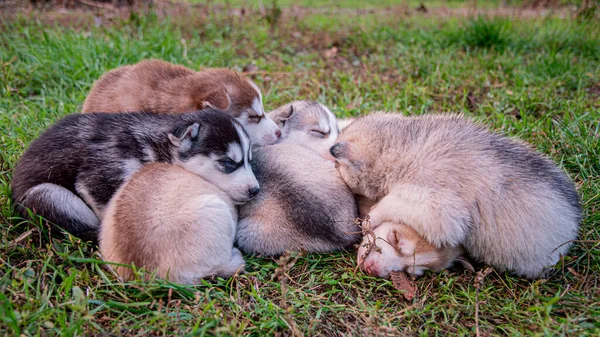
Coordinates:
(72,170)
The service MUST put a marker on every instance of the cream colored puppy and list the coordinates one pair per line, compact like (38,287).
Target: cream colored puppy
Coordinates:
(169,220)
(456,183)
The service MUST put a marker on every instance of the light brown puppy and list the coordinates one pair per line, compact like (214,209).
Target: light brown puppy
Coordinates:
(159,86)
(394,246)
(456,183)
(169,220)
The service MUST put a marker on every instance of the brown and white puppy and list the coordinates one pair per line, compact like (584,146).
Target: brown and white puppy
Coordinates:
(307,123)
(393,246)
(456,183)
(169,220)
(159,86)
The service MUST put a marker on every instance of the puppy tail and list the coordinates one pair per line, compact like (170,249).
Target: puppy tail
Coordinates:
(61,207)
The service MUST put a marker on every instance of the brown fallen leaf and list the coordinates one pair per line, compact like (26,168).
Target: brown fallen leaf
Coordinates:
(401,282)
(330,53)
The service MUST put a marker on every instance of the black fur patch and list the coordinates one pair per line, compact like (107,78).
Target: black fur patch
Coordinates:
(91,150)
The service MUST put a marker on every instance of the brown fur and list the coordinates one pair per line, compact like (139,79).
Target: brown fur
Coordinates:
(169,220)
(159,86)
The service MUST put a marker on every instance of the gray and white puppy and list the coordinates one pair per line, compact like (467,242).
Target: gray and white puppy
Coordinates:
(456,183)
(303,203)
(73,169)
(307,123)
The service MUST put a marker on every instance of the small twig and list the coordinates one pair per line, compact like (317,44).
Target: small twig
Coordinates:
(571,241)
(23,236)
(478,283)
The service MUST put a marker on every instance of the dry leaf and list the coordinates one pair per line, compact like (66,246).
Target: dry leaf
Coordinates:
(331,53)
(401,282)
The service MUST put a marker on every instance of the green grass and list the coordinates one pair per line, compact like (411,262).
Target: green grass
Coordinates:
(538,80)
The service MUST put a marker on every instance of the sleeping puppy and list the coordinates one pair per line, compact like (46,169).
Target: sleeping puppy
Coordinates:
(162,87)
(183,230)
(307,123)
(303,203)
(456,183)
(395,246)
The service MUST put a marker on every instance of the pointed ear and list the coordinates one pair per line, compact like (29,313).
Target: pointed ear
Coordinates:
(218,99)
(465,263)
(281,115)
(184,142)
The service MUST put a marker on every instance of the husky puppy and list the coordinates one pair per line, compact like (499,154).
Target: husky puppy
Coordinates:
(303,204)
(307,123)
(159,86)
(183,230)
(394,246)
(72,170)
(456,183)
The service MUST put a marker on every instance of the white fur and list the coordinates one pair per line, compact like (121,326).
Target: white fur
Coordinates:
(87,197)
(65,201)
(442,214)
(264,132)
(327,125)
(129,167)
(235,153)
(261,133)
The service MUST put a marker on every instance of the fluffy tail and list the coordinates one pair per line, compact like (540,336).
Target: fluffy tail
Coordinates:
(61,207)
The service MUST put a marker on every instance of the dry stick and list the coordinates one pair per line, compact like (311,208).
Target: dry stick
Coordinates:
(478,283)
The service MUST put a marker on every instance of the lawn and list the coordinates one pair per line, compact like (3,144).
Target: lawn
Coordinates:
(533,78)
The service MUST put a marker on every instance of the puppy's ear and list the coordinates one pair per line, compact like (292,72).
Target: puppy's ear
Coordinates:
(465,263)
(402,241)
(281,116)
(218,99)
(185,140)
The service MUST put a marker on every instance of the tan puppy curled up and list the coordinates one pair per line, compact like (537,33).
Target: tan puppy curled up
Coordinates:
(169,220)
(159,86)
(456,183)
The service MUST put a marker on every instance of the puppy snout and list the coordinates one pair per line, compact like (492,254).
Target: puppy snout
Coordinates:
(369,267)
(252,192)
(278,134)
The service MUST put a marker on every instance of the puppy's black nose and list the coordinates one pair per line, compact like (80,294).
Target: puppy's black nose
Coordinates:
(278,134)
(253,192)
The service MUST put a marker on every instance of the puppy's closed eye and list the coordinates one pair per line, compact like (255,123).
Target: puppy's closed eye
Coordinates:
(255,118)
(319,133)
